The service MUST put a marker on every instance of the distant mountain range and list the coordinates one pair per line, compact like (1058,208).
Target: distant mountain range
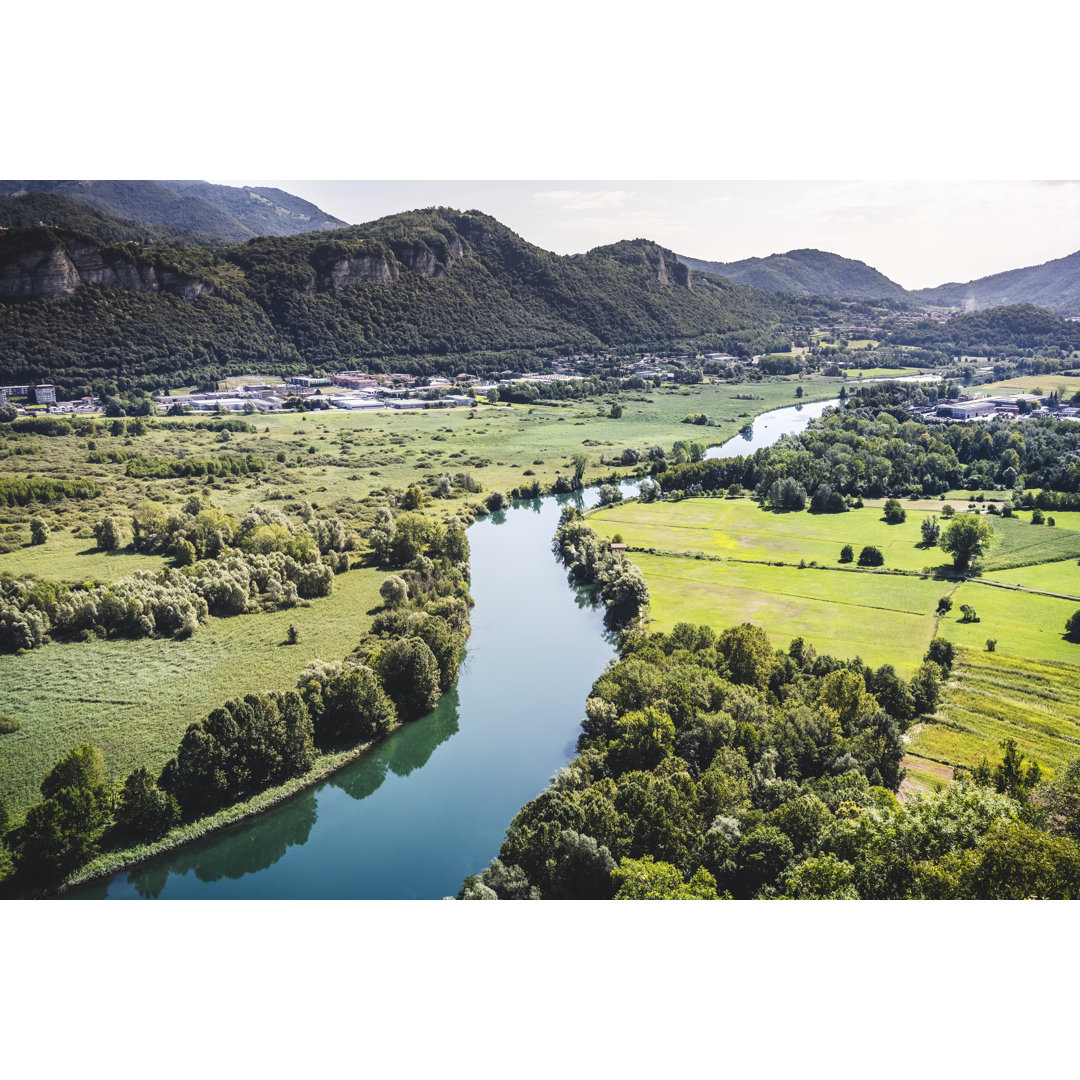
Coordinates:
(208,210)
(808,272)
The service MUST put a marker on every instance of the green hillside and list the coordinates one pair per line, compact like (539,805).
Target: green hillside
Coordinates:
(418,290)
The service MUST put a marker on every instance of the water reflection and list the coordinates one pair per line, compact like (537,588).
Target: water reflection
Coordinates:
(246,848)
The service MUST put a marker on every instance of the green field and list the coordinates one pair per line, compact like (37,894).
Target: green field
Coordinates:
(883,618)
(135,698)
(994,697)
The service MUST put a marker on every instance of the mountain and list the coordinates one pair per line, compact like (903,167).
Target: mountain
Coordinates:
(807,272)
(1054,285)
(417,291)
(212,210)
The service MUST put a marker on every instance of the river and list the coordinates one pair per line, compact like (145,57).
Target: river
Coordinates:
(431,804)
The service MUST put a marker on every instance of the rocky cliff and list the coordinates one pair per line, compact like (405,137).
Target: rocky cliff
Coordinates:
(52,270)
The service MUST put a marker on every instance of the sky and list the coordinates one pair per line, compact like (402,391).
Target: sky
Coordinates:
(919,233)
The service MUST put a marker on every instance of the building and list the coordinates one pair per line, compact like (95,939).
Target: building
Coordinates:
(45,394)
(310,381)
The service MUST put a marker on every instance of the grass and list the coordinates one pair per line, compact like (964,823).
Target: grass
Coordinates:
(65,557)
(992,697)
(135,699)
(881,617)
(1028,384)
(877,372)
(1025,625)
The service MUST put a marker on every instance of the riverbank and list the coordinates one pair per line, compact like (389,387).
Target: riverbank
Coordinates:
(116,862)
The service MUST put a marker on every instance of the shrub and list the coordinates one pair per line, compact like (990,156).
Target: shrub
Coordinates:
(394,591)
(967,613)
(847,553)
(991,644)
(944,605)
(496,501)
(871,556)
(895,514)
(1037,517)
(39,531)
(947,510)
(1072,627)
(293,634)
(9,724)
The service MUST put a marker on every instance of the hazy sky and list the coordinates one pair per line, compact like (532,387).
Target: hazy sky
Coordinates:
(919,233)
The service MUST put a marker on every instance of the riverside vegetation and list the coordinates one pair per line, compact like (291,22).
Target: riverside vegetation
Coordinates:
(184,585)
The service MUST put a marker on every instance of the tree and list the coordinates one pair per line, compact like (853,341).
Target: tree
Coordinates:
(871,556)
(394,591)
(847,553)
(616,411)
(609,495)
(410,674)
(39,531)
(965,538)
(496,501)
(292,635)
(61,833)
(968,614)
(931,530)
(350,708)
(941,652)
(645,879)
(381,534)
(144,810)
(944,605)
(747,654)
(1072,626)
(107,532)
(580,461)
(895,514)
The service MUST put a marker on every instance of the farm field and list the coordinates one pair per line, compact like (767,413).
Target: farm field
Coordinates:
(135,698)
(1028,384)
(882,618)
(740,529)
(1025,625)
(993,697)
(1062,576)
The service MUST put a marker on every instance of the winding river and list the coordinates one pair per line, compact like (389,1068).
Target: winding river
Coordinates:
(431,804)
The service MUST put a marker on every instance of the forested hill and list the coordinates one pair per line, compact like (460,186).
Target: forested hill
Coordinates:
(214,210)
(807,272)
(999,331)
(1054,285)
(414,290)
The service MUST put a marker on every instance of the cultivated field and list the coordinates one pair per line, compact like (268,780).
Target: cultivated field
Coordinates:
(715,561)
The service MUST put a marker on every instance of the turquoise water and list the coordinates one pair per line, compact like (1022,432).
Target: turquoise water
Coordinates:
(431,804)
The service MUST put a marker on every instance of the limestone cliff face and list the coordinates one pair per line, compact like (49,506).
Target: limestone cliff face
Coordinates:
(52,272)
(341,272)
(355,270)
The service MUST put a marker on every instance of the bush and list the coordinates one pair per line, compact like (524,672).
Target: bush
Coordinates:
(991,644)
(496,501)
(847,553)
(967,613)
(1072,627)
(39,531)
(895,514)
(1037,517)
(293,634)
(9,724)
(394,591)
(944,605)
(871,556)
